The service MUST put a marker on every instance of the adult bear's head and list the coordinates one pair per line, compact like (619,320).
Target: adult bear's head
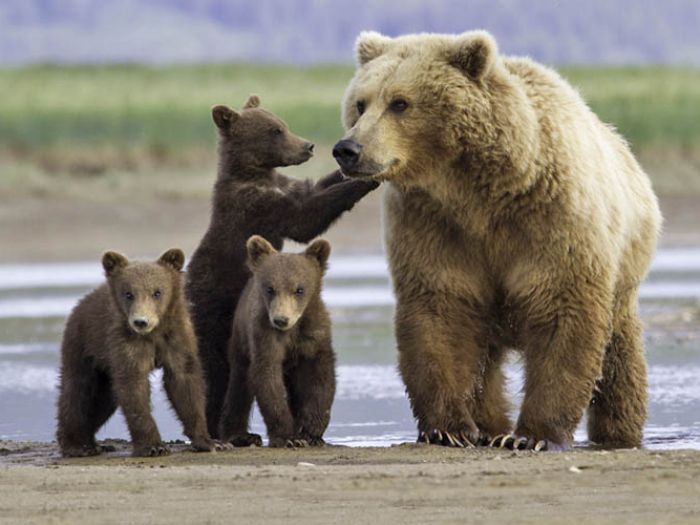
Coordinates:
(425,104)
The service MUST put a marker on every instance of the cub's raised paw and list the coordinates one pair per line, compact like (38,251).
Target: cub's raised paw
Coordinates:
(461,439)
(246,440)
(158,449)
(515,442)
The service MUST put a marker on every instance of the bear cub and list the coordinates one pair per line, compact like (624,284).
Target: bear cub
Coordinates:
(251,197)
(280,352)
(137,321)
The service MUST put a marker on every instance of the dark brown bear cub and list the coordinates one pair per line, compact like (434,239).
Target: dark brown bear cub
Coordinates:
(280,350)
(114,338)
(252,198)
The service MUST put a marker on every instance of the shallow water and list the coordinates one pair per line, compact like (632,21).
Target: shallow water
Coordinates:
(371,407)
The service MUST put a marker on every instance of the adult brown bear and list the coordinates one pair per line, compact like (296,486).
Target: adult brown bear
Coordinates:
(514,218)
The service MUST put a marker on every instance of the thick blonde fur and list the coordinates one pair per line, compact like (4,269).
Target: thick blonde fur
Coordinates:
(514,218)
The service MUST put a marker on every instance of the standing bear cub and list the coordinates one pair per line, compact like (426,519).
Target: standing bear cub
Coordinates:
(280,351)
(114,338)
(252,198)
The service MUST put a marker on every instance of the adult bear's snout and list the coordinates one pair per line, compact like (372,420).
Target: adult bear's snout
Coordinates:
(347,153)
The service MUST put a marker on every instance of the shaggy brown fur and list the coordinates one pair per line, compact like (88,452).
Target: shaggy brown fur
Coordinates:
(250,197)
(280,351)
(513,219)
(114,338)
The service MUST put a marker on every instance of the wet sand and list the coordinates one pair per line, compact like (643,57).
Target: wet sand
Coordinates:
(401,484)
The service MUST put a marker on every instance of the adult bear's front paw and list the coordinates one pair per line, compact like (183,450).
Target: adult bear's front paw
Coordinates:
(287,442)
(460,439)
(151,450)
(518,442)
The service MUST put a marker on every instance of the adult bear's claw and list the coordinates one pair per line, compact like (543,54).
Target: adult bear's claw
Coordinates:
(513,442)
(447,439)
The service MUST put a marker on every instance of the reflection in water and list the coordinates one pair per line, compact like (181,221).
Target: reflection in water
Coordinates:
(371,406)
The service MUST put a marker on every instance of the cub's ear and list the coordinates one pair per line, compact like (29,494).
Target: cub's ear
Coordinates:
(258,248)
(223,117)
(173,258)
(112,262)
(474,53)
(253,102)
(319,250)
(369,45)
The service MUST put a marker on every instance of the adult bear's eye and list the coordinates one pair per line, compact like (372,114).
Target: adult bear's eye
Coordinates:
(398,105)
(277,131)
(157,294)
(270,290)
(299,291)
(129,296)
(360,105)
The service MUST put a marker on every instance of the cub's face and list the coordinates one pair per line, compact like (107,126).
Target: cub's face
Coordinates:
(286,282)
(409,102)
(143,291)
(258,137)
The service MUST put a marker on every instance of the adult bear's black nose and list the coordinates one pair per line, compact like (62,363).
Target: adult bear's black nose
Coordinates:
(347,153)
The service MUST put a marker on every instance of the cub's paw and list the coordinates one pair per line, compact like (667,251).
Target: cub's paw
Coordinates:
(246,440)
(460,439)
(152,450)
(282,442)
(516,442)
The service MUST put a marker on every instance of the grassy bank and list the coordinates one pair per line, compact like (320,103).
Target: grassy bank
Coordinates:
(91,119)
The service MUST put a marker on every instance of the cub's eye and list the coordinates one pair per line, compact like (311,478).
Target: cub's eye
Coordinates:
(157,294)
(270,290)
(277,131)
(398,105)
(129,296)
(360,106)
(299,291)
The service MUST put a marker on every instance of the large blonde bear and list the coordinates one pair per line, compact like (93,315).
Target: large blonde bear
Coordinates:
(514,218)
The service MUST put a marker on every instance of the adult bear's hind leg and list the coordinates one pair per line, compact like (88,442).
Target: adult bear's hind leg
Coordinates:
(618,408)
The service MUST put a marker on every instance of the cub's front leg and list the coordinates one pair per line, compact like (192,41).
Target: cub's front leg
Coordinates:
(267,379)
(184,384)
(312,389)
(133,392)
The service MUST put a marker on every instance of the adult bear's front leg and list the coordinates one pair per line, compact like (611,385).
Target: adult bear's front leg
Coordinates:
(564,357)
(438,358)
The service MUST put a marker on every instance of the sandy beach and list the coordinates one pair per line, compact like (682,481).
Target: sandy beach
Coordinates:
(400,484)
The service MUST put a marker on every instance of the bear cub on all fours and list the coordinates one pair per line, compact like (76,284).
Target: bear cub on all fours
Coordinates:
(137,321)
(280,351)
(252,198)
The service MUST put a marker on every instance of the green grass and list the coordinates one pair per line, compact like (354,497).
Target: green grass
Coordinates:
(89,119)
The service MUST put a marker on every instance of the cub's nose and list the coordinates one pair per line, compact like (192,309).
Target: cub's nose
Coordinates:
(140,323)
(347,153)
(281,321)
(309,146)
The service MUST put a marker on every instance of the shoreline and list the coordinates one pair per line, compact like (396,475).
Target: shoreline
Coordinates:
(405,483)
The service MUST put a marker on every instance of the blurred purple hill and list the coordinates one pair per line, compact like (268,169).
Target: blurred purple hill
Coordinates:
(308,31)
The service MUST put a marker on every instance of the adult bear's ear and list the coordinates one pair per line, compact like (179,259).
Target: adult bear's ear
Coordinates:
(252,102)
(258,249)
(474,53)
(319,250)
(173,258)
(112,262)
(224,117)
(369,45)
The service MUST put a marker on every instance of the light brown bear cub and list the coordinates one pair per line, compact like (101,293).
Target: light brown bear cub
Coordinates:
(137,321)
(280,351)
